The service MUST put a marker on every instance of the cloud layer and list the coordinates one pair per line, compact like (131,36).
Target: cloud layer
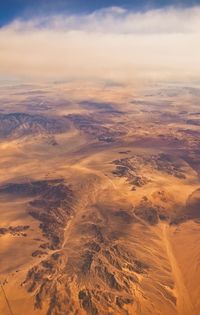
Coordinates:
(111,44)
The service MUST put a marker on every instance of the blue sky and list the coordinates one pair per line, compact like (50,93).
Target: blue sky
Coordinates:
(11,9)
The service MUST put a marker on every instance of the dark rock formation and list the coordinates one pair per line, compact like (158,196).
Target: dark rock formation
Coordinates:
(22,124)
(147,211)
(14,230)
(95,128)
(52,205)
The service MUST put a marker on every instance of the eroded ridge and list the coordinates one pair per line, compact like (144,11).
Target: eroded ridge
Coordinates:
(51,204)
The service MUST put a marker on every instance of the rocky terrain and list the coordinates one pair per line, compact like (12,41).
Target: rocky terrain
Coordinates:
(51,205)
(16,125)
(133,168)
(104,131)
(14,230)
(100,198)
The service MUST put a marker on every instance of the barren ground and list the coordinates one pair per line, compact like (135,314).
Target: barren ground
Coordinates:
(99,200)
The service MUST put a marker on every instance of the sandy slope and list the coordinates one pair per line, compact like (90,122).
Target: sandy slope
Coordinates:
(184,303)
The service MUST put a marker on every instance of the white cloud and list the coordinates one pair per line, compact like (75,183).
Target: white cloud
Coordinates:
(112,44)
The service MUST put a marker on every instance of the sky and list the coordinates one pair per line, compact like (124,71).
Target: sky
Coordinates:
(11,9)
(118,41)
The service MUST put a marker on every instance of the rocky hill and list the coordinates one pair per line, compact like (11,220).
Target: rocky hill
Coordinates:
(16,125)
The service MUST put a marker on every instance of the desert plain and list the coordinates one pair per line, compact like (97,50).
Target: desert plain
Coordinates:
(99,199)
